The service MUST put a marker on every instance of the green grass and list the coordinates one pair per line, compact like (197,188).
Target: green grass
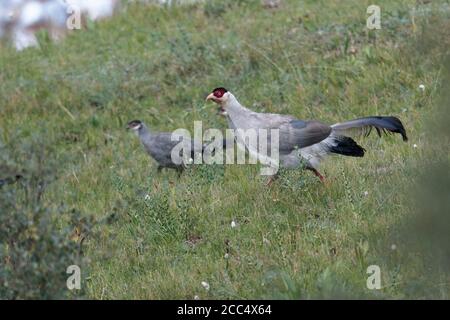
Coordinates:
(296,239)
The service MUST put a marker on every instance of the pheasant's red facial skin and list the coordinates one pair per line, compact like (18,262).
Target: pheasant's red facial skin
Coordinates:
(218,95)
(219,92)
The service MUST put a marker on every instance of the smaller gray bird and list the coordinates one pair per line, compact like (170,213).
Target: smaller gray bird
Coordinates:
(159,146)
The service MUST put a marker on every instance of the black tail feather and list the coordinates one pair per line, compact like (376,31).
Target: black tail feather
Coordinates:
(365,125)
(393,125)
(347,147)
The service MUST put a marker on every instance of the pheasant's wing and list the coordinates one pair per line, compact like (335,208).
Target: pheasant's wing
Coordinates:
(293,133)
(298,134)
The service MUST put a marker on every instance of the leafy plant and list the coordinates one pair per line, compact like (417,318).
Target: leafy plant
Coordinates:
(37,239)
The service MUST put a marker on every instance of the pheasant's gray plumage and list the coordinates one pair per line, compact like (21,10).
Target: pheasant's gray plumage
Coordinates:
(159,145)
(305,142)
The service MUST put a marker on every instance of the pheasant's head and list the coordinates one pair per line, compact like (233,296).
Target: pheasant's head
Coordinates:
(134,125)
(220,96)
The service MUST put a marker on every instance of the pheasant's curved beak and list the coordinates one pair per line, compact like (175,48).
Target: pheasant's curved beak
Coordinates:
(210,97)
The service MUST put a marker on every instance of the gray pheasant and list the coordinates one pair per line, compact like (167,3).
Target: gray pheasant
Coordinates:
(159,146)
(304,142)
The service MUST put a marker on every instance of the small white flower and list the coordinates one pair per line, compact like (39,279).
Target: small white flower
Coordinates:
(422,87)
(196,297)
(415,146)
(147,197)
(226,256)
(191,161)
(205,285)
(233,224)
(366,193)
(393,247)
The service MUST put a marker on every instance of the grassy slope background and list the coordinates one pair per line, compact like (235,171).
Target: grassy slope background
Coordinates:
(297,239)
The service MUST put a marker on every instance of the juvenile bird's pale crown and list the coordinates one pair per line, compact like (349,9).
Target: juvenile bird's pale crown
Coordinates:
(135,125)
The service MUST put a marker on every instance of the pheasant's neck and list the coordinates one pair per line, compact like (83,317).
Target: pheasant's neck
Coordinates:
(144,133)
(237,114)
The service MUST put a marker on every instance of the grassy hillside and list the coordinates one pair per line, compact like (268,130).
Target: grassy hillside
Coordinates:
(64,107)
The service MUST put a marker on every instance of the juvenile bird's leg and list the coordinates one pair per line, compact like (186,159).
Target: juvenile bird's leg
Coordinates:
(159,169)
(180,171)
(271,180)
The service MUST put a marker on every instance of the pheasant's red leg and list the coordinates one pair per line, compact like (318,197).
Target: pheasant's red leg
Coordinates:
(317,174)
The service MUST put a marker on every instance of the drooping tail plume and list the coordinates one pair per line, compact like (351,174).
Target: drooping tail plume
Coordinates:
(365,126)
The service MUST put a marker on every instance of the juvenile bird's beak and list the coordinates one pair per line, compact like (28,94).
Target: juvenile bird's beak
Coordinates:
(210,97)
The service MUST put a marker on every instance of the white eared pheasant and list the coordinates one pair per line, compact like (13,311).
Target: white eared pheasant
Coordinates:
(304,142)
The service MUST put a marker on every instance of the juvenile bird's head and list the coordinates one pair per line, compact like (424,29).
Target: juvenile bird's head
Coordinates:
(220,96)
(135,125)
